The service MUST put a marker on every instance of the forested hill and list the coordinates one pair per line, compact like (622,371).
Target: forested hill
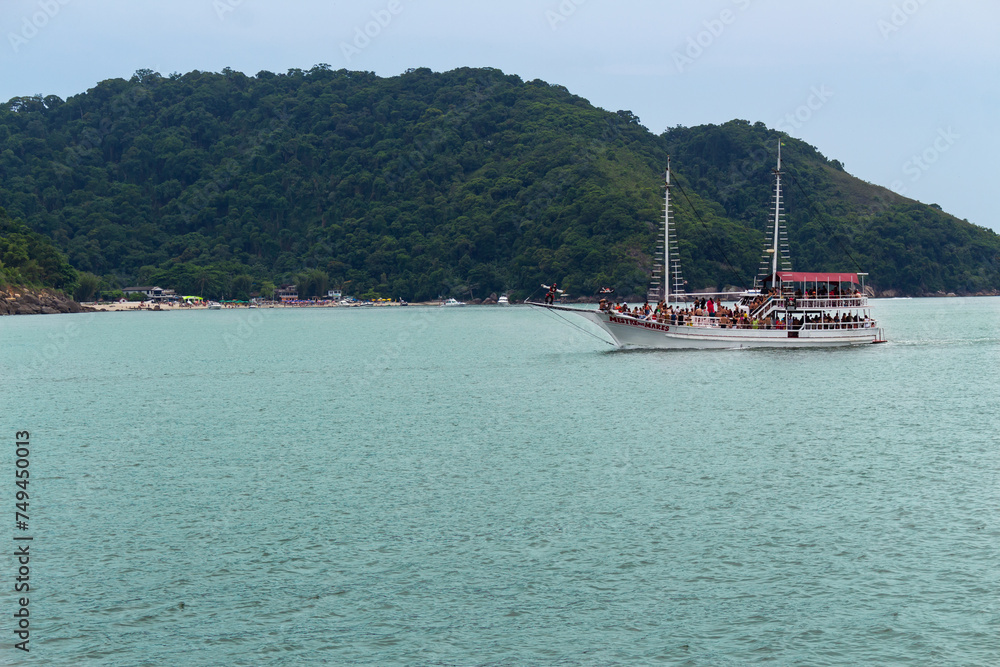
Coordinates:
(28,258)
(427,184)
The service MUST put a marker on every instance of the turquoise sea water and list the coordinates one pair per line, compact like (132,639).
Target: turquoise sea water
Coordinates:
(488,486)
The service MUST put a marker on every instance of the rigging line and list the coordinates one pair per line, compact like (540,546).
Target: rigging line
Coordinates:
(531,295)
(732,268)
(576,326)
(826,228)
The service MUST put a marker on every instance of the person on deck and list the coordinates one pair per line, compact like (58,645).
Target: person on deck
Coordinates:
(550,296)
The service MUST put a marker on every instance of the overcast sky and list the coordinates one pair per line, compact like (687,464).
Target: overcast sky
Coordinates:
(903,92)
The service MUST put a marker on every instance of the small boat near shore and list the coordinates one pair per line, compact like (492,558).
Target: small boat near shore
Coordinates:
(787,309)
(450,303)
(503,300)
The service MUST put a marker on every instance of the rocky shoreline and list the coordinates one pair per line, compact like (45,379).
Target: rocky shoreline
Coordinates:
(28,301)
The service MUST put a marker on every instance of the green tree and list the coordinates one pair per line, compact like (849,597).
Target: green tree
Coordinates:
(87,287)
(312,283)
(240,287)
(267,289)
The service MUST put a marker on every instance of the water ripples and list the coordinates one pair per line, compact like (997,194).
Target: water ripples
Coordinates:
(501,490)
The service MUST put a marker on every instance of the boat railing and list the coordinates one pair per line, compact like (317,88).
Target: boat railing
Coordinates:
(794,326)
(832,302)
(767,304)
(773,304)
(818,326)
(717,322)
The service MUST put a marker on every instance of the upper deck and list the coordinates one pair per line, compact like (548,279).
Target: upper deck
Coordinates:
(837,302)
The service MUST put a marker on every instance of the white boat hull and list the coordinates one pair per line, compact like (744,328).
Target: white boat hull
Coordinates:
(631,333)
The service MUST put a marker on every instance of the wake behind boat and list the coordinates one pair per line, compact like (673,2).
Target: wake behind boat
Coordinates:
(791,309)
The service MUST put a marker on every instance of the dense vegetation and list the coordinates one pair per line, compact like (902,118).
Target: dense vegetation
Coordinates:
(28,258)
(464,182)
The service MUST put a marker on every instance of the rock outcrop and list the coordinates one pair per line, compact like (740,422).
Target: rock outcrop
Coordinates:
(28,301)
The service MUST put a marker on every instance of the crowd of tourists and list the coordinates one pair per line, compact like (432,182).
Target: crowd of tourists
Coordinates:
(709,312)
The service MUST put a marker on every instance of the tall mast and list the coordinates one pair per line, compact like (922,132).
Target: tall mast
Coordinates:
(777,216)
(666,239)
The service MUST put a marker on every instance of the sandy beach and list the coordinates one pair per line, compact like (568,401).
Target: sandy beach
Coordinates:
(145,305)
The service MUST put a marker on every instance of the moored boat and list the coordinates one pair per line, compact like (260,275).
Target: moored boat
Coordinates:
(452,302)
(503,300)
(789,309)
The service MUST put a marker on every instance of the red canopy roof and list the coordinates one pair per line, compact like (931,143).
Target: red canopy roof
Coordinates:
(802,277)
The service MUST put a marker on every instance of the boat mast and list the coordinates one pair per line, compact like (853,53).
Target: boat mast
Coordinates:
(666,239)
(777,216)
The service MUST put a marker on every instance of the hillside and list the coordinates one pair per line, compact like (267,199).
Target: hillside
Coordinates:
(29,258)
(456,183)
